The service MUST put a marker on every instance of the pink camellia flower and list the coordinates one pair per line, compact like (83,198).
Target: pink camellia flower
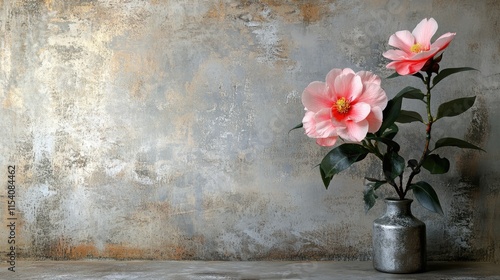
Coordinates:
(415,48)
(348,105)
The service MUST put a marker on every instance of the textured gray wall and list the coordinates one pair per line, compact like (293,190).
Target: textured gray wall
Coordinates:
(158,129)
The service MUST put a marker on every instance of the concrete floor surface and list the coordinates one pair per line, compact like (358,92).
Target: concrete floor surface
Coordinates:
(191,270)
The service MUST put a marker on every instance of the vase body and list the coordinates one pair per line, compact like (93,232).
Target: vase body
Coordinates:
(399,239)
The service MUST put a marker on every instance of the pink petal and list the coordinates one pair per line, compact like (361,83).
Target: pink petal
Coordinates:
(309,124)
(402,40)
(443,41)
(374,119)
(368,77)
(326,142)
(348,86)
(395,54)
(406,67)
(314,97)
(424,31)
(330,81)
(374,95)
(310,128)
(354,131)
(425,55)
(324,124)
(332,75)
(346,71)
(359,111)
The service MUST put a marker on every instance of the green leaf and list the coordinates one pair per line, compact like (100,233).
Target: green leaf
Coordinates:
(409,116)
(436,164)
(420,76)
(446,72)
(369,197)
(393,75)
(454,142)
(375,183)
(326,179)
(455,107)
(410,93)
(390,114)
(391,131)
(391,145)
(427,197)
(340,158)
(412,163)
(393,165)
(297,126)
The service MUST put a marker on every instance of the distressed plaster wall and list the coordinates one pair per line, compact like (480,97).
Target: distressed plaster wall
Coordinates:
(158,129)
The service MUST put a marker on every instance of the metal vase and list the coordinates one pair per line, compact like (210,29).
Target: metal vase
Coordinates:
(399,239)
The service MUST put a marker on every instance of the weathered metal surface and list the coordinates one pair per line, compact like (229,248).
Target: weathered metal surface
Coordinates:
(158,129)
(399,240)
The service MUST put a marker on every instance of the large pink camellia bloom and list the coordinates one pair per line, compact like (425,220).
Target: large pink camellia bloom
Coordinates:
(348,105)
(415,48)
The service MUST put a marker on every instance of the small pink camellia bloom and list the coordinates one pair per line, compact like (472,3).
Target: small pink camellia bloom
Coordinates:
(348,105)
(415,48)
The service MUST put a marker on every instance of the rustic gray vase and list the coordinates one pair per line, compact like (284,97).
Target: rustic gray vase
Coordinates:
(399,239)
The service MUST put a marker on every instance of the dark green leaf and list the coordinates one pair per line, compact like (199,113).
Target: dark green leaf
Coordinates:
(297,126)
(393,165)
(427,197)
(326,179)
(390,114)
(391,145)
(454,142)
(391,131)
(446,72)
(455,107)
(412,163)
(375,183)
(436,165)
(409,116)
(410,93)
(419,75)
(340,158)
(369,197)
(393,75)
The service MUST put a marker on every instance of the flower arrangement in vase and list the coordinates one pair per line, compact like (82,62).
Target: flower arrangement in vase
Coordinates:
(353,107)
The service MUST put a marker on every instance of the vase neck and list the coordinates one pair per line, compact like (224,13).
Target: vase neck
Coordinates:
(397,207)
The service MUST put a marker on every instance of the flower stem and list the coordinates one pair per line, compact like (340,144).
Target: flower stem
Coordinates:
(430,121)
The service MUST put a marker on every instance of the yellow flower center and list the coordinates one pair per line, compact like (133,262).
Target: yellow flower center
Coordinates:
(417,48)
(342,105)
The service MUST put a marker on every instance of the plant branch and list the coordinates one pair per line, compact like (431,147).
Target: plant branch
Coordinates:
(430,121)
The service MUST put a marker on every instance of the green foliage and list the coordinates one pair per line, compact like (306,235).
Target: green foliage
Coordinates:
(436,164)
(455,107)
(340,158)
(300,125)
(393,75)
(454,142)
(391,145)
(410,93)
(446,72)
(369,196)
(393,165)
(409,116)
(390,114)
(426,196)
(391,131)
(383,145)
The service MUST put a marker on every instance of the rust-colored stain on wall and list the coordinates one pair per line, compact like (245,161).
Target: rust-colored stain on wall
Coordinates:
(311,13)
(64,251)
